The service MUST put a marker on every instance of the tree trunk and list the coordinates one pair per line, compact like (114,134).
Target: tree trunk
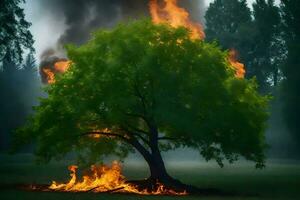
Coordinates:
(158,172)
(159,175)
(156,164)
(157,167)
(275,77)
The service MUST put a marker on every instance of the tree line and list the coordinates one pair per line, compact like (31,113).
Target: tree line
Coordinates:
(19,79)
(268,41)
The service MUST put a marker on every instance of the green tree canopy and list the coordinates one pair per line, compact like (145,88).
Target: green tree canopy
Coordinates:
(149,88)
(14,33)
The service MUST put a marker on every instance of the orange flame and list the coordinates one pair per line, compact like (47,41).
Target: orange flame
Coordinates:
(62,66)
(175,16)
(96,134)
(238,67)
(49,75)
(58,67)
(106,179)
(172,14)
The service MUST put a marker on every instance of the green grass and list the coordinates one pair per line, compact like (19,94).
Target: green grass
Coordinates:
(277,181)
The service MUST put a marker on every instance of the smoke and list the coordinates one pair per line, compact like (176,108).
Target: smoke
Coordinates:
(196,9)
(81,17)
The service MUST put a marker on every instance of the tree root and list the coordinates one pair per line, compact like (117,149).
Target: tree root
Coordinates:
(151,185)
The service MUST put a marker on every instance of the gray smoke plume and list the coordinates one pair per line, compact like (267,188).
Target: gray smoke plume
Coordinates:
(84,16)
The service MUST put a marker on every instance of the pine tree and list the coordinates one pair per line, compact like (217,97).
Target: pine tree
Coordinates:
(15,36)
(230,24)
(269,50)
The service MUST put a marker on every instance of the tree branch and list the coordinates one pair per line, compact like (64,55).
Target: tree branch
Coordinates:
(130,140)
(137,134)
(134,115)
(138,130)
(137,116)
(140,96)
(168,138)
(153,134)
(105,134)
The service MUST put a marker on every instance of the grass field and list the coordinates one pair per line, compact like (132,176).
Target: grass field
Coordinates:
(276,181)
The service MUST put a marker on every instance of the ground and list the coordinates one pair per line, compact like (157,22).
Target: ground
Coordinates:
(279,180)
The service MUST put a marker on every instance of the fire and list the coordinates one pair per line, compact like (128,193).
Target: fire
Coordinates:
(58,67)
(175,16)
(96,134)
(62,66)
(49,75)
(102,178)
(239,67)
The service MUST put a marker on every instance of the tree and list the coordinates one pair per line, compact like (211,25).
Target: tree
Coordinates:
(19,86)
(256,37)
(149,88)
(11,106)
(291,69)
(269,50)
(16,94)
(14,33)
(229,22)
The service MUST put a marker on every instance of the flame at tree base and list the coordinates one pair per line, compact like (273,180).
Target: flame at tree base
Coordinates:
(102,178)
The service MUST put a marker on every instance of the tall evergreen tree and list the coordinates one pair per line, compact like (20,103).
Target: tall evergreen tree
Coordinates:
(19,87)
(291,89)
(256,37)
(14,34)
(229,22)
(269,50)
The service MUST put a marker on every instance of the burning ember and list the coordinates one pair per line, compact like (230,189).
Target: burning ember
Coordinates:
(103,178)
(239,67)
(96,134)
(170,13)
